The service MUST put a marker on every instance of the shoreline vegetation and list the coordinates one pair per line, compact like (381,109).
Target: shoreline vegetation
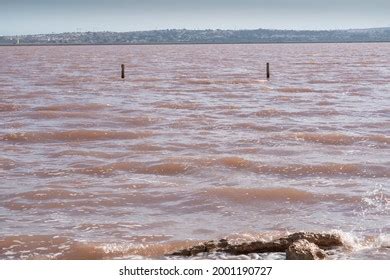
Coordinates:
(209,36)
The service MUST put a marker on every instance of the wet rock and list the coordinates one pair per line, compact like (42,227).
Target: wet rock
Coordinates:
(206,247)
(279,245)
(322,240)
(223,243)
(304,250)
(317,243)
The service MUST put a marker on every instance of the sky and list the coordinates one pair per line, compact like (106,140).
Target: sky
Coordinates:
(19,17)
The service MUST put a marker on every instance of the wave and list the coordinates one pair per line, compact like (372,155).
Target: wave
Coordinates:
(253,126)
(287,194)
(190,165)
(245,195)
(72,135)
(7,164)
(147,148)
(60,114)
(147,79)
(49,194)
(54,247)
(83,202)
(268,113)
(323,82)
(165,168)
(339,138)
(86,153)
(46,247)
(235,162)
(177,106)
(328,169)
(272,113)
(114,226)
(69,107)
(295,90)
(224,107)
(325,103)
(231,81)
(377,138)
(6,107)
(138,121)
(329,139)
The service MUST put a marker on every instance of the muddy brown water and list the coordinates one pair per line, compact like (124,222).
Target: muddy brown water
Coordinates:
(195,144)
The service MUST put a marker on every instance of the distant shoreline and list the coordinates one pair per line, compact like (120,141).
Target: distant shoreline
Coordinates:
(192,43)
(198,37)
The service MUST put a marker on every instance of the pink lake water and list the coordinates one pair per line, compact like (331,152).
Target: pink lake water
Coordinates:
(195,144)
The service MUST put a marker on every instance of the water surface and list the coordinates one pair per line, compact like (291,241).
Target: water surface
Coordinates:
(195,144)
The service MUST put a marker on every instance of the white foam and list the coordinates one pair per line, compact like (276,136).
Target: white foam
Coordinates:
(383,241)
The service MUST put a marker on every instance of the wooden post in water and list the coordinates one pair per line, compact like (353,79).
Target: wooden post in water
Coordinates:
(268,73)
(123,71)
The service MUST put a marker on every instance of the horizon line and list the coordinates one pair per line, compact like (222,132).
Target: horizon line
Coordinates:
(202,29)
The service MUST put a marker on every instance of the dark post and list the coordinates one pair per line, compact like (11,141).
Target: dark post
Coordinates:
(268,73)
(123,71)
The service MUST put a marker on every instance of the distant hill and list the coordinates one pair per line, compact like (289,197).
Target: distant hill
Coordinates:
(184,36)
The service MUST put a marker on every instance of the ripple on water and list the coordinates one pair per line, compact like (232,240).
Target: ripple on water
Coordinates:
(340,138)
(194,136)
(72,135)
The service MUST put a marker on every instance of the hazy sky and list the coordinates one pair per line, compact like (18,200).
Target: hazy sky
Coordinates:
(46,16)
